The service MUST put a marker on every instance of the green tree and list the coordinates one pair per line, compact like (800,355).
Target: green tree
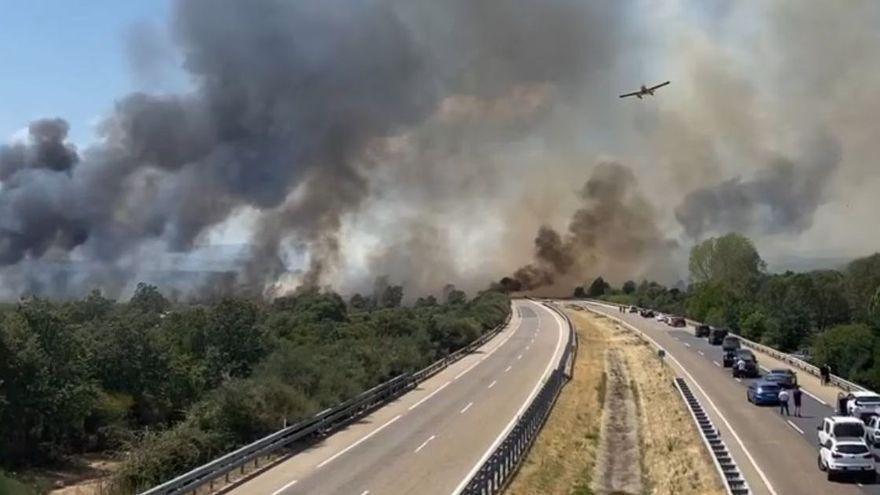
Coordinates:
(579,292)
(391,296)
(629,287)
(148,299)
(874,309)
(598,288)
(847,348)
(862,281)
(730,260)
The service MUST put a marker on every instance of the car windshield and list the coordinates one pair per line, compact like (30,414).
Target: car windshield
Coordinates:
(775,377)
(868,400)
(849,430)
(852,448)
(768,387)
(746,356)
(779,372)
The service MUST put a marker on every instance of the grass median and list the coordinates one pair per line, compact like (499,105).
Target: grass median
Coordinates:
(563,459)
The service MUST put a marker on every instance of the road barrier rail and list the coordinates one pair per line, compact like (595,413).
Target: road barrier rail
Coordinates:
(501,466)
(318,426)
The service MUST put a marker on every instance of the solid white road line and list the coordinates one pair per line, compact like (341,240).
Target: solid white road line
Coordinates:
(817,399)
(420,447)
(467,407)
(362,440)
(465,371)
(493,383)
(432,394)
(285,487)
(561,333)
(764,369)
(717,411)
(507,369)
(794,426)
(716,363)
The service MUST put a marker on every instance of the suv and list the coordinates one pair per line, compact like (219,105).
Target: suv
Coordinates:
(716,336)
(676,321)
(840,428)
(862,404)
(749,367)
(646,313)
(846,456)
(784,377)
(872,432)
(702,330)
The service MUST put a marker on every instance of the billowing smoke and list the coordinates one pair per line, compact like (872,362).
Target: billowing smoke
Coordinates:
(613,233)
(781,198)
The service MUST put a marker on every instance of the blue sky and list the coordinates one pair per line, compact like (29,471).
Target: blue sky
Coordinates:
(65,58)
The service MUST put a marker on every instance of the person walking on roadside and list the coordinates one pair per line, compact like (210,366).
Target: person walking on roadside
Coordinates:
(796,395)
(825,371)
(783,402)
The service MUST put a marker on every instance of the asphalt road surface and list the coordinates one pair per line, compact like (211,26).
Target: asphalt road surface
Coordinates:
(776,453)
(431,440)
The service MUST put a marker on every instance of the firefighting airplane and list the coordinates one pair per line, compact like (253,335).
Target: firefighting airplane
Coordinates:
(645,91)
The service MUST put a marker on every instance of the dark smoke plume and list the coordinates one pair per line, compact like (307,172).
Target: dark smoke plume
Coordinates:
(614,232)
(781,198)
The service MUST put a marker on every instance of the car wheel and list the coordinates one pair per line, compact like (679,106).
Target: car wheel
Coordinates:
(820,463)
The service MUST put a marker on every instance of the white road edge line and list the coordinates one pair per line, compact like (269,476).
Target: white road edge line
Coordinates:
(468,369)
(420,447)
(493,383)
(432,394)
(466,407)
(362,440)
(717,411)
(794,426)
(559,326)
(285,487)
(817,399)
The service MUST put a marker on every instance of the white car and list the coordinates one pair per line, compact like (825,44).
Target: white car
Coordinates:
(847,456)
(841,428)
(862,404)
(872,432)
(661,317)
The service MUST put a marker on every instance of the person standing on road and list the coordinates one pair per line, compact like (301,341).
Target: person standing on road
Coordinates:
(825,371)
(796,395)
(783,402)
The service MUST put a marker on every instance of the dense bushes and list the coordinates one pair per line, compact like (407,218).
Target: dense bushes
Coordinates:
(834,315)
(174,387)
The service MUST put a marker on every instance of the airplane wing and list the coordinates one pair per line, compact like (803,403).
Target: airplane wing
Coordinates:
(630,94)
(658,86)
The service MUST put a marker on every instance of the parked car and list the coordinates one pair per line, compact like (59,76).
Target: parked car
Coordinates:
(838,457)
(862,404)
(872,432)
(745,364)
(702,330)
(676,321)
(646,313)
(840,428)
(716,335)
(728,357)
(761,393)
(661,317)
(730,343)
(784,377)
(632,309)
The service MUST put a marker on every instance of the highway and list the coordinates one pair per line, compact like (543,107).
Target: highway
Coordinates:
(431,440)
(776,453)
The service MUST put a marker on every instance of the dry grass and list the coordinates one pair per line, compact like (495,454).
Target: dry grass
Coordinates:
(563,457)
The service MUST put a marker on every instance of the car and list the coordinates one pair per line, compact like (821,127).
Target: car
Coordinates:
(632,309)
(676,321)
(840,428)
(646,313)
(862,404)
(784,377)
(838,457)
(745,364)
(702,330)
(761,392)
(661,317)
(730,343)
(872,432)
(728,358)
(802,355)
(716,335)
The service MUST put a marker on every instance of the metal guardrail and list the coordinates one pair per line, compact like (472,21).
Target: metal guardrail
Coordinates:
(498,470)
(734,482)
(320,425)
(784,357)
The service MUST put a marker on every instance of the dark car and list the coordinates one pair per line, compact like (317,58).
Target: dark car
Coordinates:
(702,330)
(730,343)
(716,335)
(646,313)
(728,357)
(633,309)
(745,364)
(676,321)
(784,377)
(762,392)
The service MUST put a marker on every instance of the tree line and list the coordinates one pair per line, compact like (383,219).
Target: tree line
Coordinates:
(831,316)
(175,386)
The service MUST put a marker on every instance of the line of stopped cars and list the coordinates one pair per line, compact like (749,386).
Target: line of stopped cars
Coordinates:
(846,440)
